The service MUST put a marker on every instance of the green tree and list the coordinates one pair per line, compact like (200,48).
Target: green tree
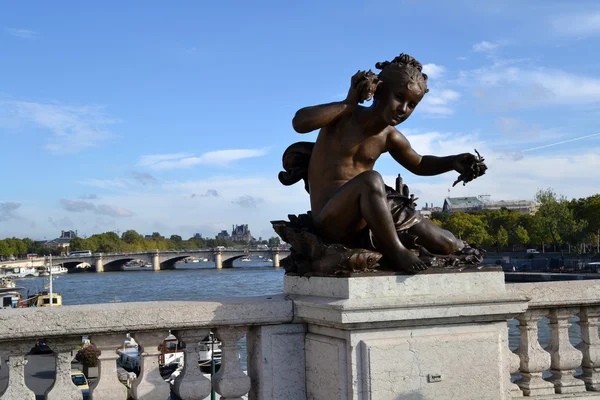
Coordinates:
(31,246)
(274,241)
(468,227)
(556,219)
(501,238)
(19,247)
(132,237)
(77,244)
(175,242)
(437,222)
(10,247)
(522,235)
(4,249)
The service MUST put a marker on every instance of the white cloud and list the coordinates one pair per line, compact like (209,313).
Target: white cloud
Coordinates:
(439,102)
(577,24)
(143,177)
(73,128)
(112,211)
(241,200)
(485,46)
(21,33)
(506,85)
(248,201)
(7,210)
(186,160)
(434,71)
(517,128)
(101,209)
(106,183)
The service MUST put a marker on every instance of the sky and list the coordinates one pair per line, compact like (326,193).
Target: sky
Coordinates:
(173,117)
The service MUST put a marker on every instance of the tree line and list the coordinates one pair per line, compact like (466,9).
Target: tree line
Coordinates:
(110,242)
(571,225)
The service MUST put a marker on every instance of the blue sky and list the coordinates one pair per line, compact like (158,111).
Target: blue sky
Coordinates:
(173,118)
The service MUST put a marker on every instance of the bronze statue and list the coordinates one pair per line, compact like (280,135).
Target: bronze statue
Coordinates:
(351,207)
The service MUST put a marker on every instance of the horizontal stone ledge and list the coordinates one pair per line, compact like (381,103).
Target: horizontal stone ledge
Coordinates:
(347,314)
(561,293)
(143,316)
(474,284)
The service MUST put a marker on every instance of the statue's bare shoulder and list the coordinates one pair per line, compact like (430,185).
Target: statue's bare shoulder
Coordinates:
(395,141)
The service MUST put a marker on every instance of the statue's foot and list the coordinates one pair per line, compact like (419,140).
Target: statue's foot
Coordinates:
(408,262)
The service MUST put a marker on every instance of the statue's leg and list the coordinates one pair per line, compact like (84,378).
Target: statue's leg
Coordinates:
(361,201)
(435,239)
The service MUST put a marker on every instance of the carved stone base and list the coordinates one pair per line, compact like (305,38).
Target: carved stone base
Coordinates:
(313,256)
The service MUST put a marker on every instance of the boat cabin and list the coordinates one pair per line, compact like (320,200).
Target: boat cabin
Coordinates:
(10,298)
(42,299)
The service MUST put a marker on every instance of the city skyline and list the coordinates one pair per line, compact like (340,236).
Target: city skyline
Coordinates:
(155,118)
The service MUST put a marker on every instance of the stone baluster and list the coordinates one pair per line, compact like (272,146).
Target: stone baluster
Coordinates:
(231,382)
(565,358)
(191,384)
(16,389)
(108,386)
(150,385)
(534,359)
(590,347)
(513,367)
(63,387)
(514,361)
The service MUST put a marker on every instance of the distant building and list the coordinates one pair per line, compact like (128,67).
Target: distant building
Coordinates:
(68,234)
(428,210)
(462,204)
(241,233)
(63,241)
(197,236)
(223,235)
(483,202)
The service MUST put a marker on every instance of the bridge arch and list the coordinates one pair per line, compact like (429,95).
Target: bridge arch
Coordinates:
(169,263)
(228,263)
(116,265)
(71,265)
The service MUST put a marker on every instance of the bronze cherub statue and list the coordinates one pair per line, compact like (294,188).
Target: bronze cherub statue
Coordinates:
(351,206)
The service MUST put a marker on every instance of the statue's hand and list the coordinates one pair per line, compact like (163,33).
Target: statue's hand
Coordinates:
(469,166)
(362,87)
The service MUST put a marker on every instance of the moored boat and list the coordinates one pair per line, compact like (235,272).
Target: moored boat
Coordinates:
(56,270)
(42,299)
(10,297)
(19,272)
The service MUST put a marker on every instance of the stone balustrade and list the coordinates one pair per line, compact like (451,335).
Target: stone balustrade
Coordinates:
(395,337)
(560,369)
(148,323)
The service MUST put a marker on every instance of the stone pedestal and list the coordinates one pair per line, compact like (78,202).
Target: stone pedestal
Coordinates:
(433,336)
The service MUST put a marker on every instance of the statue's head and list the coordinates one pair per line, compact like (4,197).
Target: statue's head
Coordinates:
(403,85)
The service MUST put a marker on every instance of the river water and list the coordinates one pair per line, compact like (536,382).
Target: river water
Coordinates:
(187,282)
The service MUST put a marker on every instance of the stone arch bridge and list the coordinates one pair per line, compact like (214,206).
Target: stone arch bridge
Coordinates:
(162,260)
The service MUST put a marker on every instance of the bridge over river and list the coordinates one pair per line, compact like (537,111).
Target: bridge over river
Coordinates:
(160,260)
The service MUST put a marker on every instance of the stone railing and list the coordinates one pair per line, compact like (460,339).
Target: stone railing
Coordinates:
(389,337)
(560,368)
(261,320)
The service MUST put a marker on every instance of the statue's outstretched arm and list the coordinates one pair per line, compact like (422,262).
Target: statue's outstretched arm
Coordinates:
(400,149)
